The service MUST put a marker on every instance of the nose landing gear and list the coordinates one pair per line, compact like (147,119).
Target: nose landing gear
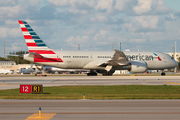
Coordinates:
(163,74)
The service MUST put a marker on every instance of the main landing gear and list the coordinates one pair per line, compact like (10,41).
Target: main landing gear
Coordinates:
(107,74)
(92,73)
(103,72)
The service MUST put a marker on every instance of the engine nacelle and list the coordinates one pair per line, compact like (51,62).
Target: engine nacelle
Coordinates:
(137,66)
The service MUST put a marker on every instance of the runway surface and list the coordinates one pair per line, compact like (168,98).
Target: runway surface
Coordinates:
(14,82)
(90,109)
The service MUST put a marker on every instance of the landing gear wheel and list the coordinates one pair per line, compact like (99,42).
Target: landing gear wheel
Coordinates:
(88,74)
(163,74)
(107,74)
(92,74)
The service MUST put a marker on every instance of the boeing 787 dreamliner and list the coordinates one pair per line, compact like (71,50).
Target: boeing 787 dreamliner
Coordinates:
(104,62)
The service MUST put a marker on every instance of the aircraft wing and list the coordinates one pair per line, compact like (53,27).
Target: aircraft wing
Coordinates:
(118,59)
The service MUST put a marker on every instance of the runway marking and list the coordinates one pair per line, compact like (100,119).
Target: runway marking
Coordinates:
(47,116)
(44,116)
(119,113)
(92,101)
(9,84)
(172,83)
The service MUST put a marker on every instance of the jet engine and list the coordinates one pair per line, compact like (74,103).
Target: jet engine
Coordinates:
(137,66)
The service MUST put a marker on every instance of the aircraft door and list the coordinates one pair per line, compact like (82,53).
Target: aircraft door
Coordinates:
(91,56)
(58,60)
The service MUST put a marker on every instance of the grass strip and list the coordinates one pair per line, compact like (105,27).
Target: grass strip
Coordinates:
(99,92)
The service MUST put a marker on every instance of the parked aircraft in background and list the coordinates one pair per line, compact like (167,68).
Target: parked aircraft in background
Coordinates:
(5,71)
(55,70)
(25,71)
(104,62)
(30,70)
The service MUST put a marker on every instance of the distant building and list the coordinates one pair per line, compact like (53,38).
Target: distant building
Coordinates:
(177,55)
(11,65)
(7,63)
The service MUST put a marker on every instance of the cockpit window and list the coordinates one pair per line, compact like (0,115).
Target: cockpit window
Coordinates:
(170,56)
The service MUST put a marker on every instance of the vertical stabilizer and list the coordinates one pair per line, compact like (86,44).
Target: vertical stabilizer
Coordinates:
(33,41)
(38,50)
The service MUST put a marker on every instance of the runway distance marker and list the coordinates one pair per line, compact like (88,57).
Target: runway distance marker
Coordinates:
(36,88)
(25,88)
(31,89)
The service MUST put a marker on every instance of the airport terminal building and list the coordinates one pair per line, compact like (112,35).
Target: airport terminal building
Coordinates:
(7,63)
(11,65)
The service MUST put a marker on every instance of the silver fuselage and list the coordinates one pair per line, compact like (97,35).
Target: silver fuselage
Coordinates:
(92,59)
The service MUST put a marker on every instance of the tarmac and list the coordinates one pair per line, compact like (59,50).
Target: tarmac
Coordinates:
(15,82)
(89,109)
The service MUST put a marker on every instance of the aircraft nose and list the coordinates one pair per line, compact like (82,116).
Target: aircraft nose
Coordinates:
(175,63)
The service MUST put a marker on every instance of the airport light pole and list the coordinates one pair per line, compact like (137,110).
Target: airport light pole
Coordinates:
(78,46)
(4,50)
(175,69)
(112,46)
(120,46)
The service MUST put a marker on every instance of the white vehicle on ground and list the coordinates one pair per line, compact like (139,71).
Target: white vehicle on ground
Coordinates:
(5,71)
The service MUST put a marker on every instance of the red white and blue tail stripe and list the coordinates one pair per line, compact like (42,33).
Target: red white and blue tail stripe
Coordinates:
(33,41)
(36,46)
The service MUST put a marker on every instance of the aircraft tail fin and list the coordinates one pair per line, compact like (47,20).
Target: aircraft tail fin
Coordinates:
(31,69)
(33,41)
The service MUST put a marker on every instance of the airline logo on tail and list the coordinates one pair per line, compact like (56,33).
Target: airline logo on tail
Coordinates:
(36,46)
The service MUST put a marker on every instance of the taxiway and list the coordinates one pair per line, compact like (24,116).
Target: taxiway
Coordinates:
(14,82)
(90,109)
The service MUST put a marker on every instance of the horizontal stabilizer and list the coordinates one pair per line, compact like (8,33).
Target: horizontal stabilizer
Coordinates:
(35,55)
(20,56)
(39,58)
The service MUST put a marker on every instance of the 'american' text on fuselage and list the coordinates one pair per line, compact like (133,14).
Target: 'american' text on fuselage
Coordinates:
(140,57)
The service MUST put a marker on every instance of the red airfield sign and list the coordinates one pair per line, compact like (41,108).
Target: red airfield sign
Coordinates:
(25,88)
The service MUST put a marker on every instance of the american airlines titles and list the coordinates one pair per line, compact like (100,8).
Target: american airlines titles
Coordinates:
(140,57)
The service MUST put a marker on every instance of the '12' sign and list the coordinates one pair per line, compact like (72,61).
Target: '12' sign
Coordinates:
(25,88)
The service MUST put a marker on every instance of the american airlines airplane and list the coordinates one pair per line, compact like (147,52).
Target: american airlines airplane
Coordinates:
(104,62)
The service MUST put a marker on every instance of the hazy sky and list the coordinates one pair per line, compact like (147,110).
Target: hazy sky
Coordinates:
(144,25)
